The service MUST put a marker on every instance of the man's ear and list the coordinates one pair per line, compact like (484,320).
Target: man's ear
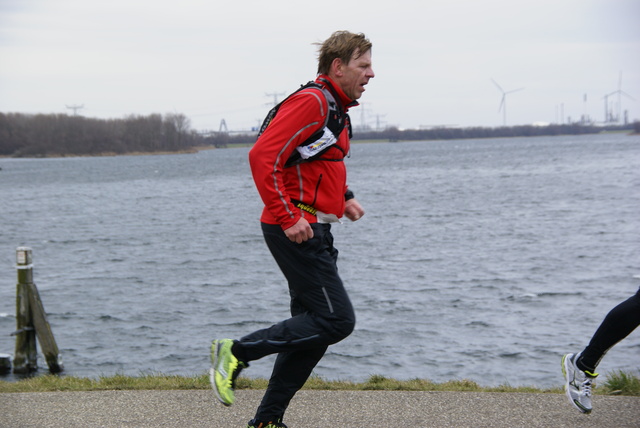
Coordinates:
(337,67)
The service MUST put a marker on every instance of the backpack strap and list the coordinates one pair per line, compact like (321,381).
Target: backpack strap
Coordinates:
(272,113)
(318,143)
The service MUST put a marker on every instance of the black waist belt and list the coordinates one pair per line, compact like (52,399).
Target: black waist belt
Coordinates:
(304,207)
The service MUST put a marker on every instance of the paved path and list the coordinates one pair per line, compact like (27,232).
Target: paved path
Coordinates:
(311,409)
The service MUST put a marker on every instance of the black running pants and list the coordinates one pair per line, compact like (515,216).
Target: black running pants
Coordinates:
(617,325)
(321,312)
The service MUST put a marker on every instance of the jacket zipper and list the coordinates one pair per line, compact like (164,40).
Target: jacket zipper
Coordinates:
(315,193)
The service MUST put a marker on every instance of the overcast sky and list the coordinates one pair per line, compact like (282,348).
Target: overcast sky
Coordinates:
(212,60)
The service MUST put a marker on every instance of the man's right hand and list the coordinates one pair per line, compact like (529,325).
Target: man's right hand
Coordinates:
(299,232)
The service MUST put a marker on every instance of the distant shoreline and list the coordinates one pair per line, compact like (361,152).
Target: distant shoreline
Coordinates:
(197,149)
(192,150)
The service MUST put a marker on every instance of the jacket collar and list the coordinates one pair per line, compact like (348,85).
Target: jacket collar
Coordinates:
(347,102)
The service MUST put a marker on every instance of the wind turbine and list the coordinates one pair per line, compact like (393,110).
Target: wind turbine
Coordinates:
(620,92)
(503,102)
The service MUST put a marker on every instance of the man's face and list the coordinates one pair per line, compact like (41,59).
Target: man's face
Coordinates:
(356,74)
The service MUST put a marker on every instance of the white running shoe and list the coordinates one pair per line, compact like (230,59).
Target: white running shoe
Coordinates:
(578,383)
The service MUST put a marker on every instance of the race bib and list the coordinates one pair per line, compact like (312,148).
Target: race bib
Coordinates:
(327,139)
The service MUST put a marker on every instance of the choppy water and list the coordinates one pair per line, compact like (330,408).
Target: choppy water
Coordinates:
(478,259)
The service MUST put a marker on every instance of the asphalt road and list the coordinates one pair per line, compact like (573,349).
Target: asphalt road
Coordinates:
(311,409)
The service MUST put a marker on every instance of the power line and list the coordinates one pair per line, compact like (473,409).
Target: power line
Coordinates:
(275,96)
(76,108)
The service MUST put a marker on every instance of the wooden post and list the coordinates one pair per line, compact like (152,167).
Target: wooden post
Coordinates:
(25,359)
(33,321)
(43,331)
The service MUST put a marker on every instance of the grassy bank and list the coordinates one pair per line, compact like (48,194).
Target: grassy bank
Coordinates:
(617,383)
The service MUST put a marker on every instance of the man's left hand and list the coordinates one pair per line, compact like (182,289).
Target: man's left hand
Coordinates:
(353,210)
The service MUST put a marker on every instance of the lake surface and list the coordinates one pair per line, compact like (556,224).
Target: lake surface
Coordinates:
(477,259)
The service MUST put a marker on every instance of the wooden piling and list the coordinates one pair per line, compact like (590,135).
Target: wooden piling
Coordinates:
(25,359)
(43,331)
(32,321)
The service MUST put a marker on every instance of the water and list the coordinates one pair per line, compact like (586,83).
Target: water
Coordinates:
(477,259)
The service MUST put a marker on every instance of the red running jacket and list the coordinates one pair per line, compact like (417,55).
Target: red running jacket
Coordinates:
(320,183)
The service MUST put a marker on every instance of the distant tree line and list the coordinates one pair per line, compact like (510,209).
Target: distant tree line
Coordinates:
(24,135)
(395,134)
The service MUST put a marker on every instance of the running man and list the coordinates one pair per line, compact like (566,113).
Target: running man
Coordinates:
(298,167)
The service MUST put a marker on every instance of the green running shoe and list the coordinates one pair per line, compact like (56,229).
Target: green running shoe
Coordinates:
(224,371)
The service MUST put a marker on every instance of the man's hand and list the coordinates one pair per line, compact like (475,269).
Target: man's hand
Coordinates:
(353,210)
(299,232)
